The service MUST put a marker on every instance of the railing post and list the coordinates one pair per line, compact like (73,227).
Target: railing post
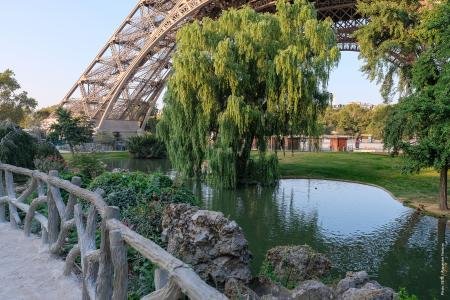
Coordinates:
(14,218)
(54,220)
(105,273)
(161,278)
(120,263)
(2,205)
(41,193)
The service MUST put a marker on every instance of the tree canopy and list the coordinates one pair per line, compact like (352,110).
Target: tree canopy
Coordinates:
(16,146)
(242,77)
(355,119)
(420,124)
(15,105)
(73,130)
(390,43)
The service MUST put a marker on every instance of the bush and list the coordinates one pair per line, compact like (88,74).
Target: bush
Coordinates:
(404,295)
(142,199)
(146,146)
(87,166)
(45,164)
(47,158)
(16,146)
(47,149)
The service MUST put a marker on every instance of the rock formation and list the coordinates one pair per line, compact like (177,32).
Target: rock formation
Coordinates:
(214,246)
(217,250)
(293,264)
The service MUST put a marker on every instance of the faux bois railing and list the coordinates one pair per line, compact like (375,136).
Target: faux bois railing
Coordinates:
(104,271)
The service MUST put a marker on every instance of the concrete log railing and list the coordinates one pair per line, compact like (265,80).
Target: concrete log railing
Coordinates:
(104,270)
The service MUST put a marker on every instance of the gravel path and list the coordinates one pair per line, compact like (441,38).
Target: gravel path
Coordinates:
(28,272)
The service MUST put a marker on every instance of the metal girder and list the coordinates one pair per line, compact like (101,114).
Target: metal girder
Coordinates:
(129,73)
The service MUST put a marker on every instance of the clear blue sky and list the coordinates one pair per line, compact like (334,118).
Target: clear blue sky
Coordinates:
(49,43)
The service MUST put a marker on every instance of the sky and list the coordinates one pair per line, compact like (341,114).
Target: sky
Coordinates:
(49,43)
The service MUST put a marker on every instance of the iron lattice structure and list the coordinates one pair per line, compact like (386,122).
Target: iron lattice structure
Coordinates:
(120,87)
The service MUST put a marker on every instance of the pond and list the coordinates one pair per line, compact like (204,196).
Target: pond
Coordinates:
(359,227)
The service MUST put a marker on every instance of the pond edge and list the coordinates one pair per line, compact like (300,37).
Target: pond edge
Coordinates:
(418,206)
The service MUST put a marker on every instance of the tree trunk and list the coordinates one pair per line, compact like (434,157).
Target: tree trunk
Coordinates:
(72,150)
(443,189)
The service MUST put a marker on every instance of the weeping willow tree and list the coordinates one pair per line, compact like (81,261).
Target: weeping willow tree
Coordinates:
(390,43)
(242,78)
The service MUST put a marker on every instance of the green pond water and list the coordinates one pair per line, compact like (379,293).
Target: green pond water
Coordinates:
(358,227)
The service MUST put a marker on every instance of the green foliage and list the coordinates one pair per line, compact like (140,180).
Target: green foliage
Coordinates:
(46,149)
(420,124)
(146,146)
(16,146)
(141,279)
(267,271)
(242,77)
(390,42)
(14,105)
(71,130)
(87,166)
(264,169)
(35,119)
(356,119)
(350,119)
(47,163)
(378,119)
(142,199)
(153,121)
(403,295)
(48,158)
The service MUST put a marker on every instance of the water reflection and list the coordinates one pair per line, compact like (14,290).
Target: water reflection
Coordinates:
(359,227)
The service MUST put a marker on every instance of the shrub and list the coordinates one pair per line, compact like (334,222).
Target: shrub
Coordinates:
(45,164)
(87,166)
(404,295)
(142,199)
(146,146)
(16,146)
(47,149)
(47,158)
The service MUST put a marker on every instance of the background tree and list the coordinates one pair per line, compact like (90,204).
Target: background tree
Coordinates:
(35,119)
(152,121)
(16,146)
(353,119)
(377,120)
(420,124)
(15,105)
(243,76)
(70,129)
(389,43)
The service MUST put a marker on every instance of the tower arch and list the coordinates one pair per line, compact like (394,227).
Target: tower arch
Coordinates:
(122,84)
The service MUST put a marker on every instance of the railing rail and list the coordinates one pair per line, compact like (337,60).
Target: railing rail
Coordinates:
(104,270)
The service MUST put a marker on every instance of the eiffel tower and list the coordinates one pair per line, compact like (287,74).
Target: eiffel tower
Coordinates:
(120,87)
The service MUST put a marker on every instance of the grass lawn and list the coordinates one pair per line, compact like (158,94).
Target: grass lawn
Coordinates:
(418,190)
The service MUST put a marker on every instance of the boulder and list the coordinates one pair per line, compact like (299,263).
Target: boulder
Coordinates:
(370,291)
(267,289)
(235,289)
(214,246)
(352,280)
(357,286)
(293,264)
(312,290)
